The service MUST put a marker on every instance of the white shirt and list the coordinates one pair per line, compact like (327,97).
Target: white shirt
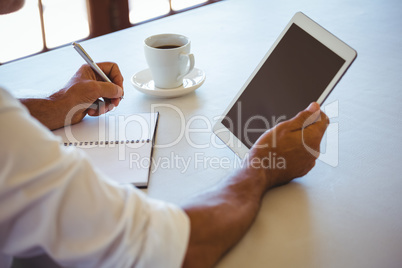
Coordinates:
(53,201)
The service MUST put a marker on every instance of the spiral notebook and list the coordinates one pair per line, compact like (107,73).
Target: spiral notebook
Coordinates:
(120,146)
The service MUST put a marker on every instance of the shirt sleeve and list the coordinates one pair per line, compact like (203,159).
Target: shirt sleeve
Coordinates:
(53,201)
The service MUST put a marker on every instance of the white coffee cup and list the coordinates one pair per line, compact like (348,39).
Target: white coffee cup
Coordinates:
(169,59)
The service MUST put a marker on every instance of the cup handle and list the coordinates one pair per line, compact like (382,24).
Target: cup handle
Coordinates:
(190,67)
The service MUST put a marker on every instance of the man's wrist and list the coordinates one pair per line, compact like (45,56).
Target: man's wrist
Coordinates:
(258,167)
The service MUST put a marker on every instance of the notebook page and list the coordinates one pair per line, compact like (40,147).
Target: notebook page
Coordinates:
(122,163)
(120,146)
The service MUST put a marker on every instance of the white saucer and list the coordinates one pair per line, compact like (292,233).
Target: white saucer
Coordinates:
(144,83)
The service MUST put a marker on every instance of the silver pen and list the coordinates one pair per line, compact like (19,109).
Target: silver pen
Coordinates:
(91,63)
(89,60)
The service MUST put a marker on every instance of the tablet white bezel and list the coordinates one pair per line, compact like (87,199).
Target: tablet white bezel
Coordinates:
(315,30)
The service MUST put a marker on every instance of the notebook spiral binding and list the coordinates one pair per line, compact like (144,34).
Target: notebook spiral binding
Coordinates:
(91,143)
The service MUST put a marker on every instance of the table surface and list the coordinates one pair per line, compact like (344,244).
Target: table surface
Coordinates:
(347,212)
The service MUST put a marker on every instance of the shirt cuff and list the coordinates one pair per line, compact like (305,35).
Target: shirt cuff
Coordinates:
(168,235)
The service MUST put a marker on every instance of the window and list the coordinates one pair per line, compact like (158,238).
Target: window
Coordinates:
(19,29)
(46,24)
(180,4)
(65,21)
(144,10)
(42,25)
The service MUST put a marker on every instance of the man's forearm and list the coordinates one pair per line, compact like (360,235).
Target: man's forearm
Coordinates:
(46,111)
(221,216)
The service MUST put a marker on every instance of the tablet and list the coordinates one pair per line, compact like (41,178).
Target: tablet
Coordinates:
(303,65)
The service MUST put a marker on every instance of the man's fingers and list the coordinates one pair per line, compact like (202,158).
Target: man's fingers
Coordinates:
(115,102)
(112,71)
(109,68)
(109,90)
(313,134)
(312,115)
(321,124)
(99,107)
(306,117)
(92,91)
(105,89)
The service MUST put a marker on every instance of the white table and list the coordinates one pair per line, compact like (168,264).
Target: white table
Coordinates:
(347,215)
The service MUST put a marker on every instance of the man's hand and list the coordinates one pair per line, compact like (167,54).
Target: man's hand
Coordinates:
(79,97)
(221,216)
(296,142)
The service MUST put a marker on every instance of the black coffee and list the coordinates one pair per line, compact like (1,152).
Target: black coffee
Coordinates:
(167,46)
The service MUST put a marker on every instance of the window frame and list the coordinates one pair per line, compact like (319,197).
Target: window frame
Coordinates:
(106,16)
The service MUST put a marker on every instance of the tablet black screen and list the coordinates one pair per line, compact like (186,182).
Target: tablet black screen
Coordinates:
(294,75)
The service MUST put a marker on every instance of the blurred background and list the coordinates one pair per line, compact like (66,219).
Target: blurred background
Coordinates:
(42,25)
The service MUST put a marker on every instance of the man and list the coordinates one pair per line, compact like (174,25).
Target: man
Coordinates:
(52,201)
